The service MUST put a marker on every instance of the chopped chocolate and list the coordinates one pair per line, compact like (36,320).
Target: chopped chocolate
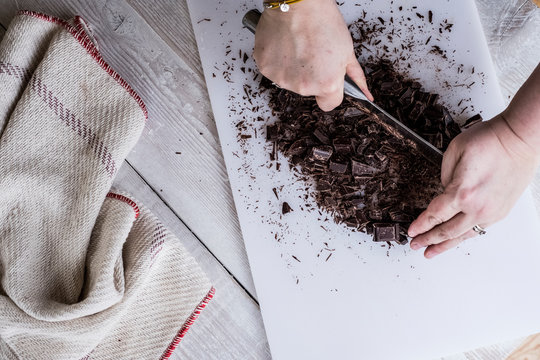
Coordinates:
(285,208)
(342,145)
(386,232)
(472,121)
(338,167)
(321,153)
(272,132)
(365,173)
(402,240)
(376,215)
(359,169)
(321,136)
(399,216)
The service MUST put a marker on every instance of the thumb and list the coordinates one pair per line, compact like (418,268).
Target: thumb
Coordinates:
(331,100)
(355,72)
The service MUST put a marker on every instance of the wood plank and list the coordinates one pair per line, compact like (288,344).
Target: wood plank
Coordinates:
(195,182)
(529,350)
(511,29)
(231,326)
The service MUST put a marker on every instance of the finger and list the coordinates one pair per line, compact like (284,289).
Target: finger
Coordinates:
(440,209)
(453,228)
(451,159)
(355,72)
(434,250)
(332,99)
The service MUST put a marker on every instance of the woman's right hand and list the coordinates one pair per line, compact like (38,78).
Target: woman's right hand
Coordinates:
(308,50)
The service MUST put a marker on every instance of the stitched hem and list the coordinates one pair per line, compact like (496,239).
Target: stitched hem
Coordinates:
(83,38)
(126,200)
(194,315)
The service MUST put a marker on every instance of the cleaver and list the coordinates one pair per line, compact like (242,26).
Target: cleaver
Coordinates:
(430,152)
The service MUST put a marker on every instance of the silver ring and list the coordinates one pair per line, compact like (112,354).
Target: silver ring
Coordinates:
(480,230)
(276,85)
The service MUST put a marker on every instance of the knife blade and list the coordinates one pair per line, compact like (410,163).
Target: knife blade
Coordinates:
(430,152)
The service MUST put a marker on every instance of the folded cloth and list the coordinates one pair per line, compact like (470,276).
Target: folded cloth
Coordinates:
(84,273)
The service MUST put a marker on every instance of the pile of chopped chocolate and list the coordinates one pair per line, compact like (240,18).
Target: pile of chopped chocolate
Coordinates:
(364,176)
(405,100)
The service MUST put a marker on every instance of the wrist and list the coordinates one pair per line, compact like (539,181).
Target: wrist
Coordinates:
(299,8)
(513,139)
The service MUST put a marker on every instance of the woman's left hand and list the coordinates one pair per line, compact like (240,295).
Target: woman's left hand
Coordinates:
(484,171)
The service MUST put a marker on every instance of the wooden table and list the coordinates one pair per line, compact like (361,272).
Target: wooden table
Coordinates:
(177,168)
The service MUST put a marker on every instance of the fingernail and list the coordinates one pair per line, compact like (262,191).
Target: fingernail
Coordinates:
(415,246)
(411,234)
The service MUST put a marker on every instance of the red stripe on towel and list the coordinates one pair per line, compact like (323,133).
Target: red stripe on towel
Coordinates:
(14,70)
(194,315)
(126,200)
(85,41)
(74,123)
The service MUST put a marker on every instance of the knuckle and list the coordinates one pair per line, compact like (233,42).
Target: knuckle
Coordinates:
(483,212)
(444,234)
(465,197)
(330,86)
(434,220)
(303,87)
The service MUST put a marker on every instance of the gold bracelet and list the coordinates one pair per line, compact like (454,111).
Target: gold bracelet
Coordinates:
(283,5)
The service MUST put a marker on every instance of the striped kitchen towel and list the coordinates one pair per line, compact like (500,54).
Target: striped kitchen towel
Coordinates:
(84,273)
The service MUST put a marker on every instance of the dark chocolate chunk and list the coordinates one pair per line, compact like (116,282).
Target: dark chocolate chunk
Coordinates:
(352,112)
(338,167)
(342,145)
(472,121)
(386,232)
(359,169)
(399,216)
(321,136)
(272,132)
(285,208)
(297,148)
(321,153)
(376,215)
(402,240)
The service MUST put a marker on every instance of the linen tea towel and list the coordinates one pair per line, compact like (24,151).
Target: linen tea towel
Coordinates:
(84,273)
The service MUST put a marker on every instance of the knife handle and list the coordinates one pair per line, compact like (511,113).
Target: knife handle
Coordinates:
(250,21)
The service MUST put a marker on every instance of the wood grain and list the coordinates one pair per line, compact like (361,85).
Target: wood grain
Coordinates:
(529,349)
(511,29)
(193,183)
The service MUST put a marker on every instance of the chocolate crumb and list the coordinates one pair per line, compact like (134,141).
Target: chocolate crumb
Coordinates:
(275,193)
(285,208)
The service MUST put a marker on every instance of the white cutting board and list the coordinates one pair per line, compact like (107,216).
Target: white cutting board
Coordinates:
(367,301)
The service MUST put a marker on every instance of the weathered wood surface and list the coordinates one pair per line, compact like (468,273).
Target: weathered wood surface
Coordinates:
(153,47)
(529,350)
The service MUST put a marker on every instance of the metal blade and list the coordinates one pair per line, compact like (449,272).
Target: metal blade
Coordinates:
(425,148)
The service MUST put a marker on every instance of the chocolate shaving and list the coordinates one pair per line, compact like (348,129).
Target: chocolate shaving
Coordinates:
(285,208)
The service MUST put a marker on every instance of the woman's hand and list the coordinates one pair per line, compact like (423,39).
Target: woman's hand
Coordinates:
(484,172)
(308,50)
